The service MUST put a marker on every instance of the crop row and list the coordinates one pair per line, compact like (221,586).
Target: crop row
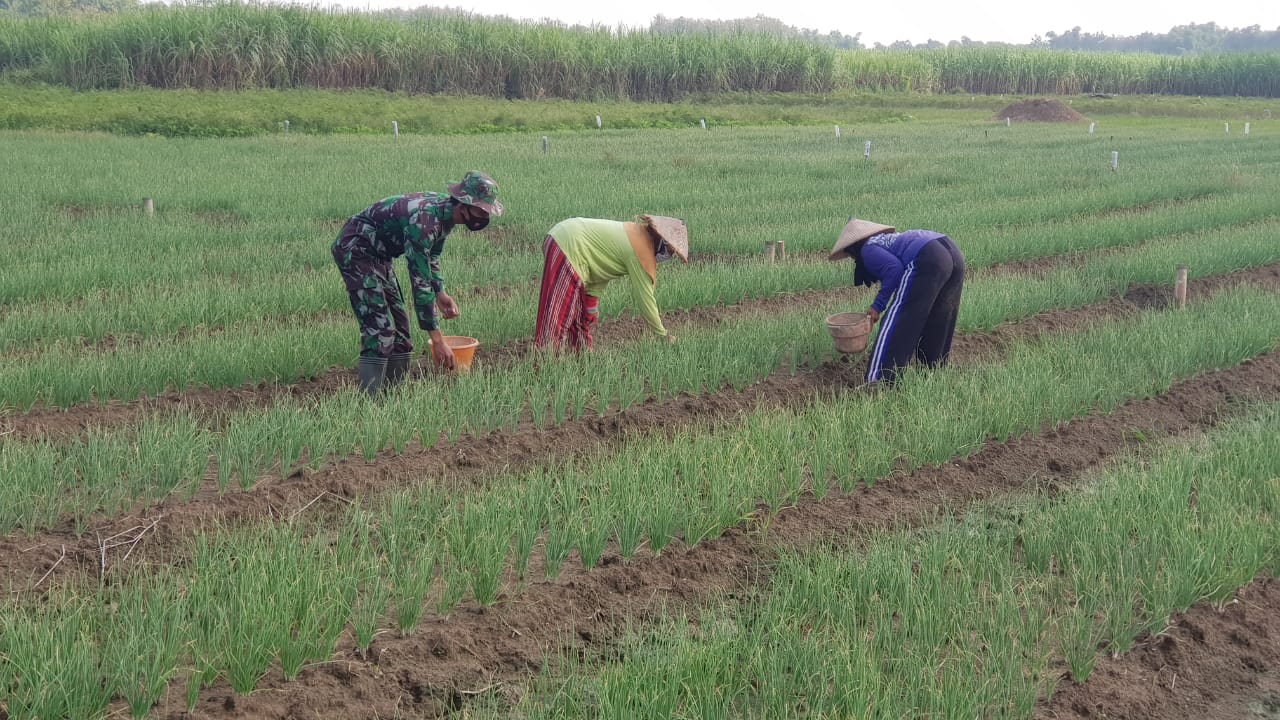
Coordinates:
(969,617)
(113,469)
(63,373)
(74,650)
(256,211)
(215,300)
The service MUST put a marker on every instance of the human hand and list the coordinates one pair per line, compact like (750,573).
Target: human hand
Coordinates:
(442,354)
(448,306)
(873,314)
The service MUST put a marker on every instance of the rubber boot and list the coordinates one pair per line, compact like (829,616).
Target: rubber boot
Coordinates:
(398,368)
(370,371)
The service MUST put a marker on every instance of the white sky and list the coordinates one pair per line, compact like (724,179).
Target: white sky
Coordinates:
(886,21)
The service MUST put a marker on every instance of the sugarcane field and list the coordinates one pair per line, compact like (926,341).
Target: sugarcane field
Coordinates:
(934,383)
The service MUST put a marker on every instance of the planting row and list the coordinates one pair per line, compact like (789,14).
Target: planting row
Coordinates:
(966,618)
(64,374)
(114,469)
(220,299)
(264,208)
(203,620)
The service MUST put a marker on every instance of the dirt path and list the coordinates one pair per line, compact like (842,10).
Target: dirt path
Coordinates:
(24,560)
(432,672)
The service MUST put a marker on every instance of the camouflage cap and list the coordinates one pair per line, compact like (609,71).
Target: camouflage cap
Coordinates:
(478,189)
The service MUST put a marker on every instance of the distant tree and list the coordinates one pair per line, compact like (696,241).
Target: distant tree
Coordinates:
(758,24)
(1192,39)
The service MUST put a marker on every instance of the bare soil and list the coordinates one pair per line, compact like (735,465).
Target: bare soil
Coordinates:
(1039,110)
(1211,663)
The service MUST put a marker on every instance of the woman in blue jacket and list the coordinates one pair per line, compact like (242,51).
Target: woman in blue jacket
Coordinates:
(921,273)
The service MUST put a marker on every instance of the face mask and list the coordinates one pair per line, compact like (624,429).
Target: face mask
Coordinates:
(476,223)
(663,253)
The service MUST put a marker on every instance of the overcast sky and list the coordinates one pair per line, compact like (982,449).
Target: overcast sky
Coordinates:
(885,22)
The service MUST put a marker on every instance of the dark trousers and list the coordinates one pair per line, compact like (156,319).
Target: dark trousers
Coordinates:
(921,318)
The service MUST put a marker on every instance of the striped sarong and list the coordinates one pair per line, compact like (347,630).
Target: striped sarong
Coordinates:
(566,313)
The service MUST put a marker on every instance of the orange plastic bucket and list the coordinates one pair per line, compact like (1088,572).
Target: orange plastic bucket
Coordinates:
(464,349)
(850,331)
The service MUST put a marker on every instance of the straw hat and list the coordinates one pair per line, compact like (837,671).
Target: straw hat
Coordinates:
(856,230)
(673,232)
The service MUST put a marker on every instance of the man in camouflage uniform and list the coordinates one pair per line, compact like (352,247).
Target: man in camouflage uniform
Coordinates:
(414,225)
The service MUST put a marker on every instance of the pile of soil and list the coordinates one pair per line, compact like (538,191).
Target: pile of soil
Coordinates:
(1039,110)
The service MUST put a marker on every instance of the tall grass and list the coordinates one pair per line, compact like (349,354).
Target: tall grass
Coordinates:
(1036,72)
(233,45)
(237,46)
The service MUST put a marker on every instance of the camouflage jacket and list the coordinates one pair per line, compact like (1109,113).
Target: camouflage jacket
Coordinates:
(414,225)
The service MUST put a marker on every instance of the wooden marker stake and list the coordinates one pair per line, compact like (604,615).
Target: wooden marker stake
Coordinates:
(148,206)
(781,252)
(771,251)
(1180,287)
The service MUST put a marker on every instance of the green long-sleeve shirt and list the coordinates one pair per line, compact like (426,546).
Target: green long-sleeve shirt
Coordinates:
(600,251)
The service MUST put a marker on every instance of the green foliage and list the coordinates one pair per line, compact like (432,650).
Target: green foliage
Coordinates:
(758,24)
(1193,38)
(233,46)
(1024,71)
(947,597)
(949,621)
(239,46)
(63,8)
(232,290)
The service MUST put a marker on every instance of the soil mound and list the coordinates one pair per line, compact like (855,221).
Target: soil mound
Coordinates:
(1039,110)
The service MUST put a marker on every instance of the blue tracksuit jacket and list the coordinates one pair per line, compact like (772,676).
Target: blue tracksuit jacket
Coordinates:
(886,256)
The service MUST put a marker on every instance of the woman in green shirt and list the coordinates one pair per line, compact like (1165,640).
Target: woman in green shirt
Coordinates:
(582,255)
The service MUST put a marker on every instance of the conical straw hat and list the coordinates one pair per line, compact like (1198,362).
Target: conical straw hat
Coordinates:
(673,232)
(856,230)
